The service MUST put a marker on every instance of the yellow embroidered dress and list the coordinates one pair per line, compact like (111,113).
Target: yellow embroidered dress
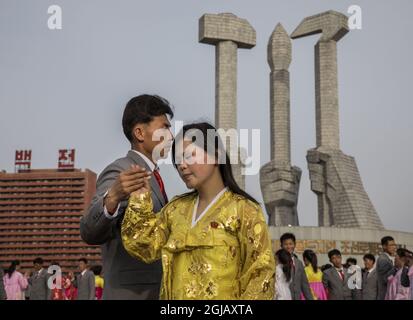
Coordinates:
(225,255)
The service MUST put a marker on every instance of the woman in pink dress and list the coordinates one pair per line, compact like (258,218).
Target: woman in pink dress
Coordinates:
(397,289)
(14,282)
(314,276)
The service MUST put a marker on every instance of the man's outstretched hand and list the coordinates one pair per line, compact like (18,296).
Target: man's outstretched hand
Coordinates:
(134,180)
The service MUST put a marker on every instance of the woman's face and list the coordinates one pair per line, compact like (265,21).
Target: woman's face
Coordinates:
(398,261)
(195,166)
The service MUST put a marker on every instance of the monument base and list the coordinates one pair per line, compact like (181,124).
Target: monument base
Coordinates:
(351,242)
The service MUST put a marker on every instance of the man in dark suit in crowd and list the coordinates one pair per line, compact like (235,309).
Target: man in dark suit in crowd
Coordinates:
(39,288)
(336,279)
(369,287)
(299,283)
(85,282)
(145,120)
(385,265)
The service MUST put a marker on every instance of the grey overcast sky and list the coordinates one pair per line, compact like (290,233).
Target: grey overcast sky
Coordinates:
(67,88)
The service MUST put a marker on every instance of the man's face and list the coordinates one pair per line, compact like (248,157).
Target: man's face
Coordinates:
(368,264)
(37,266)
(336,261)
(288,245)
(155,136)
(390,247)
(82,265)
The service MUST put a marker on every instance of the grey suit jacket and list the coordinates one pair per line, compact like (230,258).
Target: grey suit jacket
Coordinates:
(369,287)
(86,286)
(126,278)
(337,288)
(299,283)
(39,290)
(385,268)
(3,295)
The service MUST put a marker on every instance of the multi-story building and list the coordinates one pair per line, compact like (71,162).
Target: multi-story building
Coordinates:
(39,217)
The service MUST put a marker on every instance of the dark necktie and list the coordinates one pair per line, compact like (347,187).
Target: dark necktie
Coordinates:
(341,275)
(160,183)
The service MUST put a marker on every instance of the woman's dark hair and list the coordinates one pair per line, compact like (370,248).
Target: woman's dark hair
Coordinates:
(97,270)
(142,109)
(402,252)
(284,258)
(12,267)
(311,257)
(325,267)
(211,141)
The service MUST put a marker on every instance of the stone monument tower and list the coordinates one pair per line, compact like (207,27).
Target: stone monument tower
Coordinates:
(342,200)
(280,181)
(227,33)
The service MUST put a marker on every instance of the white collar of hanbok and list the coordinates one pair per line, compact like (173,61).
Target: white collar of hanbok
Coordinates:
(216,198)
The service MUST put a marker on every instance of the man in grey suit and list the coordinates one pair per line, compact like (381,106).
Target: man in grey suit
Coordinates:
(85,282)
(335,279)
(39,289)
(144,119)
(370,285)
(385,265)
(3,295)
(299,283)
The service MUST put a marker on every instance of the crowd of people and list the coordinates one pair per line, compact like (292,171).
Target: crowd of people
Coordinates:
(389,277)
(49,283)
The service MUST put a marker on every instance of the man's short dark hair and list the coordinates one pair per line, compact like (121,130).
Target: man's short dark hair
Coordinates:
(385,240)
(351,260)
(142,109)
(83,259)
(333,252)
(287,236)
(369,256)
(38,261)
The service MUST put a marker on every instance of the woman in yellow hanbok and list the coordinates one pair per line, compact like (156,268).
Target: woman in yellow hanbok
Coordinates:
(213,241)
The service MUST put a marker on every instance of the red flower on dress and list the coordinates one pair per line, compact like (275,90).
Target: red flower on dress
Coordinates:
(214,224)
